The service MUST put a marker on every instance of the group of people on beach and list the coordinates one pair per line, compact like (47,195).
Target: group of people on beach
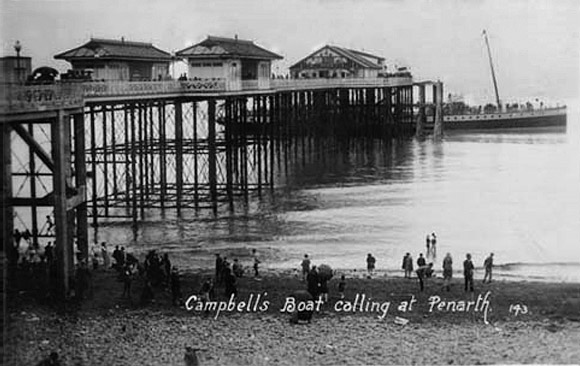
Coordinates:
(425,270)
(317,280)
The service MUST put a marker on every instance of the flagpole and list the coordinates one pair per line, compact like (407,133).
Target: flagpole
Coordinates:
(492,72)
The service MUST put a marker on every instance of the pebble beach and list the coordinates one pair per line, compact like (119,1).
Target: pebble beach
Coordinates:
(107,329)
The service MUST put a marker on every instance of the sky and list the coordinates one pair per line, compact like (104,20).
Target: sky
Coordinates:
(535,44)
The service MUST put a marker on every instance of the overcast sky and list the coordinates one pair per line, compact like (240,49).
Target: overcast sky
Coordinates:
(535,44)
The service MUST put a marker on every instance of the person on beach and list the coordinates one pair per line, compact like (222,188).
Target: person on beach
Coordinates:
(488,265)
(408,265)
(428,244)
(127,281)
(342,286)
(421,260)
(117,257)
(230,284)
(256,263)
(49,225)
(166,268)
(323,289)
(207,291)
(218,268)
(422,272)
(371,264)
(305,267)
(468,272)
(147,295)
(176,297)
(433,245)
(237,268)
(313,282)
(447,271)
(105,256)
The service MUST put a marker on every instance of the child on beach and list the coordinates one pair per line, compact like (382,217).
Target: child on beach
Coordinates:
(342,286)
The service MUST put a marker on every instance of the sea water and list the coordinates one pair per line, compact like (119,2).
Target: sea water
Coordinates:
(515,193)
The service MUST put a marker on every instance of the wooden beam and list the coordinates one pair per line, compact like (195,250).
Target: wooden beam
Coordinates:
(35,146)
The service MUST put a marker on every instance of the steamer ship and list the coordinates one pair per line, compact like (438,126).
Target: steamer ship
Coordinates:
(501,118)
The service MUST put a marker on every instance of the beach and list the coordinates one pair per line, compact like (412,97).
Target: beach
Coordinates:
(108,329)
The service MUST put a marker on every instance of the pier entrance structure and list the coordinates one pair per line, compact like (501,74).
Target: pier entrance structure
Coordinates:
(83,152)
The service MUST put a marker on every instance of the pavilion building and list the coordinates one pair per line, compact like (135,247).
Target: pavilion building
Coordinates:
(241,63)
(338,62)
(109,59)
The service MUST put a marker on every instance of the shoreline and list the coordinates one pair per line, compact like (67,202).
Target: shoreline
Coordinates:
(109,329)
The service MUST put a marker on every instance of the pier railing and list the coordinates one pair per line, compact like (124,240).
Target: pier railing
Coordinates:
(34,98)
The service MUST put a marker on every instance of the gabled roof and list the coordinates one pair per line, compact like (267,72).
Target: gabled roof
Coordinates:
(109,49)
(219,47)
(353,55)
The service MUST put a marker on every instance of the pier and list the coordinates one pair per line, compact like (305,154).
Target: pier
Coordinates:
(106,150)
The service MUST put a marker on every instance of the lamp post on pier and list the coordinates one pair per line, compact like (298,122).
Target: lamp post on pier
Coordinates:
(18,48)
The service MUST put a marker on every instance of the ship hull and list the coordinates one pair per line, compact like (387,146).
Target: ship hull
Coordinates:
(527,119)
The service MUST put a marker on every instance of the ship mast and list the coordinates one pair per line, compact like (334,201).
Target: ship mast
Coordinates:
(492,72)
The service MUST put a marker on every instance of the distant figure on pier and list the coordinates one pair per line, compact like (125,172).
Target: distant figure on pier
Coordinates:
(408,265)
(488,265)
(447,271)
(468,269)
(256,263)
(371,261)
(305,267)
(218,268)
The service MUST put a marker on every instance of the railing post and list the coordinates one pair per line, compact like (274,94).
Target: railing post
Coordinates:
(211,138)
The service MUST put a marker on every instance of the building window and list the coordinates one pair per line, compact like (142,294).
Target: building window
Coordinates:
(217,64)
(207,64)
(197,64)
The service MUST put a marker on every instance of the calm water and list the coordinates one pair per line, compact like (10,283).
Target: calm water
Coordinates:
(516,194)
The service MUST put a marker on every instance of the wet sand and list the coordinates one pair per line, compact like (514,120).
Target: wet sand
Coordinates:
(107,329)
